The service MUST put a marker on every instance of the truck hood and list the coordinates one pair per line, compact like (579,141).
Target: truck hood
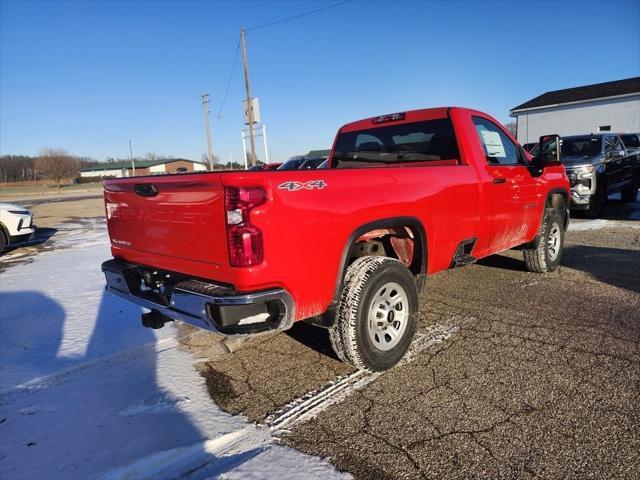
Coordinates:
(573,161)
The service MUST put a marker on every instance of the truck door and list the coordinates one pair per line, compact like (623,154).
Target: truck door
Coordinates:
(512,189)
(615,160)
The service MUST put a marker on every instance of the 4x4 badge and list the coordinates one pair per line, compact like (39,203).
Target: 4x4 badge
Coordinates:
(310,185)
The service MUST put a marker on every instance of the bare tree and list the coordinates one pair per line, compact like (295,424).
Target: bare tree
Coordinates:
(154,156)
(205,159)
(512,127)
(17,168)
(57,164)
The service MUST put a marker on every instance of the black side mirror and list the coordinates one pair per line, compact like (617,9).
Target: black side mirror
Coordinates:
(549,151)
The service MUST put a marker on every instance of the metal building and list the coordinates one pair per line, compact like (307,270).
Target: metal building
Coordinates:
(603,107)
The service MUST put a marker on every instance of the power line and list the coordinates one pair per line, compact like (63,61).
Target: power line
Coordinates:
(297,16)
(235,58)
(226,90)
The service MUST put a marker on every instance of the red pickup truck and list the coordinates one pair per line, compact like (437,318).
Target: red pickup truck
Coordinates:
(404,196)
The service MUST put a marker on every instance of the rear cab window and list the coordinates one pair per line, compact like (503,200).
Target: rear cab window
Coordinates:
(426,142)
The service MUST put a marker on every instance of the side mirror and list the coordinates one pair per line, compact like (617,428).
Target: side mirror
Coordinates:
(549,151)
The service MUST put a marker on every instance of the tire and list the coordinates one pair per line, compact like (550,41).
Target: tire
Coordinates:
(3,241)
(546,257)
(630,194)
(369,338)
(598,202)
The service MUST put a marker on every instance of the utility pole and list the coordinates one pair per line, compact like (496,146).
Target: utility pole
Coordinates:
(205,108)
(249,99)
(133,164)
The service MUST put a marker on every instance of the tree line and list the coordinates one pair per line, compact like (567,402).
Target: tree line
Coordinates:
(51,163)
(57,165)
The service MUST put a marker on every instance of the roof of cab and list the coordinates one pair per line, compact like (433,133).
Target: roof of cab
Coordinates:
(409,116)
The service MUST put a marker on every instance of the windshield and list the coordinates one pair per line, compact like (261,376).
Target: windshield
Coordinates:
(581,146)
(312,163)
(631,141)
(427,141)
(292,164)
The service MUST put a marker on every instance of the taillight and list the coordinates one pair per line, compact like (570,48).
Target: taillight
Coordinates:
(243,239)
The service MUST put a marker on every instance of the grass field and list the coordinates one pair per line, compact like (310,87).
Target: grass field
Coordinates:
(8,191)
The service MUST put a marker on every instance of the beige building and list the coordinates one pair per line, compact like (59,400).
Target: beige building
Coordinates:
(602,107)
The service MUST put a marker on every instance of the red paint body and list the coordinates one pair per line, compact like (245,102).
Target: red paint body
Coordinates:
(305,232)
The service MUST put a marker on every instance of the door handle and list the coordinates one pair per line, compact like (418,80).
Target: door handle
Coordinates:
(499,180)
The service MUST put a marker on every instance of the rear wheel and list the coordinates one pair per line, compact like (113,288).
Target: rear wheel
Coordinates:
(630,194)
(3,241)
(546,257)
(377,315)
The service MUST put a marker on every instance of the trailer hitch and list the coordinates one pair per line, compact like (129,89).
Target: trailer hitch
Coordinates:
(154,319)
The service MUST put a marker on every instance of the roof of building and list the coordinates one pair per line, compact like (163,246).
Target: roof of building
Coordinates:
(139,164)
(318,153)
(584,93)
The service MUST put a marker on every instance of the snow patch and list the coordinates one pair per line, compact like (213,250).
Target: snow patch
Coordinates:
(591,225)
(262,317)
(85,391)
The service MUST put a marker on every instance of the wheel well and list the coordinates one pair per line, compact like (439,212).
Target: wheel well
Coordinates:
(557,200)
(408,232)
(401,242)
(373,233)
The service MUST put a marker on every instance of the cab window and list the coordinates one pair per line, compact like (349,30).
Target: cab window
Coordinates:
(498,147)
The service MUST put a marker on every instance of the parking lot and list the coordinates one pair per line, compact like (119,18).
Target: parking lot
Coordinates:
(513,374)
(535,376)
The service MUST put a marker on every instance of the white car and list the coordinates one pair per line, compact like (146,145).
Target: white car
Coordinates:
(16,225)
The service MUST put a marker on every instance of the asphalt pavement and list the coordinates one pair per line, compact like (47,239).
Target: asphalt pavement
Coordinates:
(538,375)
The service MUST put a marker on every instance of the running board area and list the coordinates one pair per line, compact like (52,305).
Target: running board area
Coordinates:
(463,256)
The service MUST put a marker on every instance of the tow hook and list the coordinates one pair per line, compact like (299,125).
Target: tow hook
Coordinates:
(154,319)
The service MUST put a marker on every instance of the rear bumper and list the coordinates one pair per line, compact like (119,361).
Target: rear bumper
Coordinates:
(204,304)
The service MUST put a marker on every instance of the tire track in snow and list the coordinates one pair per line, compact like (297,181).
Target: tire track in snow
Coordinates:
(316,401)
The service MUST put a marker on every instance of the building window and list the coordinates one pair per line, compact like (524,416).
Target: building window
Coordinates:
(604,128)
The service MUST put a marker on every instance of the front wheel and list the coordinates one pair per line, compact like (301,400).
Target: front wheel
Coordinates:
(377,314)
(546,257)
(597,202)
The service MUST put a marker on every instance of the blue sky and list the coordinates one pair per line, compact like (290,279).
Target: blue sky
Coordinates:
(89,76)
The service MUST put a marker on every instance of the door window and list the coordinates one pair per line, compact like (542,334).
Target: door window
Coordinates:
(613,144)
(617,144)
(498,147)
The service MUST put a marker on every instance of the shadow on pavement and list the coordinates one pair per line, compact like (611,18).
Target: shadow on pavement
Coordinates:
(503,262)
(316,338)
(104,407)
(615,266)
